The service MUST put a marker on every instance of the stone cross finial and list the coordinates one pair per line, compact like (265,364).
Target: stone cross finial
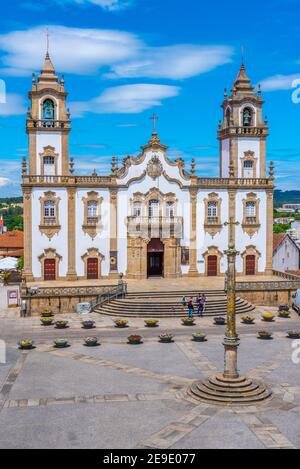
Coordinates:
(71,166)
(193,166)
(154,118)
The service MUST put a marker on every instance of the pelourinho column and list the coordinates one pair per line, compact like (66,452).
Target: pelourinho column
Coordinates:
(270,211)
(27,194)
(193,272)
(71,274)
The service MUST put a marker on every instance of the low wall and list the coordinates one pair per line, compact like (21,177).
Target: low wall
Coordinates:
(62,300)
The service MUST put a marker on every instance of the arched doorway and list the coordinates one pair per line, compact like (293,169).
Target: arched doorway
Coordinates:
(212,266)
(155,258)
(250,265)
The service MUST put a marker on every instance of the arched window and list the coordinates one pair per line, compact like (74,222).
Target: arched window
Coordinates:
(49,212)
(170,210)
(251,212)
(153,208)
(228,117)
(48,109)
(137,209)
(92,212)
(212,212)
(247,117)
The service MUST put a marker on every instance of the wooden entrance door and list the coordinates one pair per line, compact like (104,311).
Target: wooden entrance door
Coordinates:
(50,269)
(250,265)
(92,269)
(155,258)
(212,266)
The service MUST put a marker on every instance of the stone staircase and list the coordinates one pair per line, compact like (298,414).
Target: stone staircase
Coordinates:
(167,304)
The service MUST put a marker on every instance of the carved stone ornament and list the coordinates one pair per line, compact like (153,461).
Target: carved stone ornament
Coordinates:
(154,168)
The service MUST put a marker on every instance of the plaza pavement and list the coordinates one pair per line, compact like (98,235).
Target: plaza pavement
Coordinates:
(122,396)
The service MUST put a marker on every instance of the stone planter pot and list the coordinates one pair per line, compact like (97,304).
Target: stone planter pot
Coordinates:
(166,338)
(199,337)
(293,335)
(265,335)
(26,344)
(47,314)
(91,342)
(188,321)
(151,323)
(46,321)
(220,321)
(88,324)
(248,320)
(120,323)
(268,317)
(284,315)
(61,324)
(61,343)
(135,340)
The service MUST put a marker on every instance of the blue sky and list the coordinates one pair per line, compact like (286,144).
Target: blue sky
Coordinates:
(124,60)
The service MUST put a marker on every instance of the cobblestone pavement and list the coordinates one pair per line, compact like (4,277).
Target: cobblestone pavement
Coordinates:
(122,396)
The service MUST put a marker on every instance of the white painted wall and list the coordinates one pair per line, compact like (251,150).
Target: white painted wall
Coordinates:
(59,241)
(102,240)
(287,256)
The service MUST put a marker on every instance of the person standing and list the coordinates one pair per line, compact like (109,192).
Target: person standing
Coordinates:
(191,307)
(201,305)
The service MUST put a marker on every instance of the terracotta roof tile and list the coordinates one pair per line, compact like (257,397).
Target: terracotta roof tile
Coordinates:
(12,239)
(277,240)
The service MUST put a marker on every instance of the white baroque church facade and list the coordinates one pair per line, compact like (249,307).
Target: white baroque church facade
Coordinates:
(151,216)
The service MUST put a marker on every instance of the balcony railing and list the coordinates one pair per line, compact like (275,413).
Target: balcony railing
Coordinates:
(48,124)
(49,221)
(251,220)
(256,131)
(212,220)
(155,227)
(92,221)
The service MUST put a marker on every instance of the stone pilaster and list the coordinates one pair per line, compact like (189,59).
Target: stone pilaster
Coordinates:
(65,153)
(263,157)
(71,274)
(33,170)
(193,272)
(172,259)
(269,235)
(27,195)
(113,233)
(234,155)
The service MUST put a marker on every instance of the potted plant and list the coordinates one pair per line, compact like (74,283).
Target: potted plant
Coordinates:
(283,308)
(91,342)
(268,317)
(265,335)
(188,321)
(46,321)
(26,344)
(284,314)
(220,321)
(151,323)
(121,323)
(135,339)
(248,319)
(88,324)
(60,343)
(294,335)
(61,324)
(47,313)
(166,338)
(199,337)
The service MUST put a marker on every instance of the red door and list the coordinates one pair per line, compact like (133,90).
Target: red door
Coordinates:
(92,269)
(250,265)
(50,269)
(212,266)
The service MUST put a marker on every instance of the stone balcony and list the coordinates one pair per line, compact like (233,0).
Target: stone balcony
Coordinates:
(48,124)
(261,131)
(155,227)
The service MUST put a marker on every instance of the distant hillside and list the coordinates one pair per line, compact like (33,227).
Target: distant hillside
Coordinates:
(11,200)
(286,197)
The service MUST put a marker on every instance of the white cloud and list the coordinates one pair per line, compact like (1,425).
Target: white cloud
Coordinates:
(127,99)
(175,62)
(116,54)
(279,82)
(13,106)
(110,5)
(4,181)
(73,50)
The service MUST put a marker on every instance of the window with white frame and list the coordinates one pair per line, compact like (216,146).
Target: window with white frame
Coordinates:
(49,166)
(92,212)
(212,212)
(153,208)
(49,212)
(251,212)
(137,209)
(170,210)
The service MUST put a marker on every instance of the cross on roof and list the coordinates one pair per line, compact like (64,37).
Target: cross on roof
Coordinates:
(154,118)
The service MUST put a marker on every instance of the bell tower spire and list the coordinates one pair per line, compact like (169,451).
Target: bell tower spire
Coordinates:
(48,122)
(243,131)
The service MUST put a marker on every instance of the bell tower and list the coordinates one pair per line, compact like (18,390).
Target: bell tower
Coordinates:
(243,132)
(48,124)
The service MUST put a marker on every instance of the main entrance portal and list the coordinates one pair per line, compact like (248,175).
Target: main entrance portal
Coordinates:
(155,258)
